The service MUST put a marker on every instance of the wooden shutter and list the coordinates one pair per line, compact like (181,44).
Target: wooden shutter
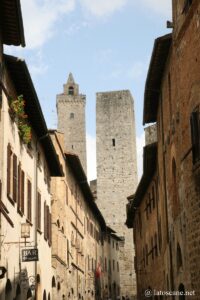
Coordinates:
(29,201)
(39,211)
(50,232)
(47,224)
(14,178)
(45,221)
(9,153)
(19,188)
(22,190)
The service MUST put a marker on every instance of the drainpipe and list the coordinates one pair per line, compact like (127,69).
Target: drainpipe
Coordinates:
(36,203)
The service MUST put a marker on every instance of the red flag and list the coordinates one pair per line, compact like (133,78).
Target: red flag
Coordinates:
(98,271)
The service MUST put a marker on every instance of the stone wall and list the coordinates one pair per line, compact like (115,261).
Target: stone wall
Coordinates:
(71,120)
(117,171)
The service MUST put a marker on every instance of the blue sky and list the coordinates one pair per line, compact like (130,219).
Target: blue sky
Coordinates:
(106,44)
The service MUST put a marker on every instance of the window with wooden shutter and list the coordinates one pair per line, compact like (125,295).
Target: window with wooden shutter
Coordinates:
(14,178)
(45,221)
(29,201)
(195,134)
(39,211)
(50,232)
(19,189)
(22,181)
(9,155)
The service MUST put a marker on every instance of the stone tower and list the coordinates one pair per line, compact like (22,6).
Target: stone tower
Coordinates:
(71,119)
(117,172)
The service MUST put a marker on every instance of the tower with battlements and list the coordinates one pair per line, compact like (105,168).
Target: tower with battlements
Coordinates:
(71,119)
(117,172)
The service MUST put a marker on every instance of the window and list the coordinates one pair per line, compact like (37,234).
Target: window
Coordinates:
(20,198)
(109,266)
(29,201)
(71,90)
(113,265)
(117,266)
(113,142)
(9,156)
(105,264)
(45,221)
(39,211)
(71,115)
(195,134)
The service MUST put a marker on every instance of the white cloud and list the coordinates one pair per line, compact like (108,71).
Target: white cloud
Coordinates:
(159,7)
(140,142)
(40,18)
(101,8)
(91,157)
(37,65)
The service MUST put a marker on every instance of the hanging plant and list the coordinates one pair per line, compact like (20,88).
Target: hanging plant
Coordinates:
(17,113)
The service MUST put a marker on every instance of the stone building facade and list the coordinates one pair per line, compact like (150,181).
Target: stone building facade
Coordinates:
(117,172)
(27,162)
(82,246)
(172,101)
(71,119)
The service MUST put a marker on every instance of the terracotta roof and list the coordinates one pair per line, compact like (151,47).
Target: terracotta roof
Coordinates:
(154,77)
(78,172)
(11,23)
(22,81)
(149,167)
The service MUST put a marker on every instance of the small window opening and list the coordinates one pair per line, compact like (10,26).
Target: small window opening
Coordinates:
(113,142)
(71,90)
(71,115)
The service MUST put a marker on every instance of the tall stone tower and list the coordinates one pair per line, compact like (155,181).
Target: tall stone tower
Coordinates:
(117,172)
(71,119)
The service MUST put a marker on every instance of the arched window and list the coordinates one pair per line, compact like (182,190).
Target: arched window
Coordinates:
(53,282)
(58,286)
(179,259)
(181,289)
(71,90)
(18,292)
(29,294)
(49,297)
(58,223)
(8,290)
(44,295)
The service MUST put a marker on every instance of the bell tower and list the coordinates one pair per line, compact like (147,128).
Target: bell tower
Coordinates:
(71,119)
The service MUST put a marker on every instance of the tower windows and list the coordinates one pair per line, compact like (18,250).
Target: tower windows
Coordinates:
(71,115)
(113,142)
(71,90)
